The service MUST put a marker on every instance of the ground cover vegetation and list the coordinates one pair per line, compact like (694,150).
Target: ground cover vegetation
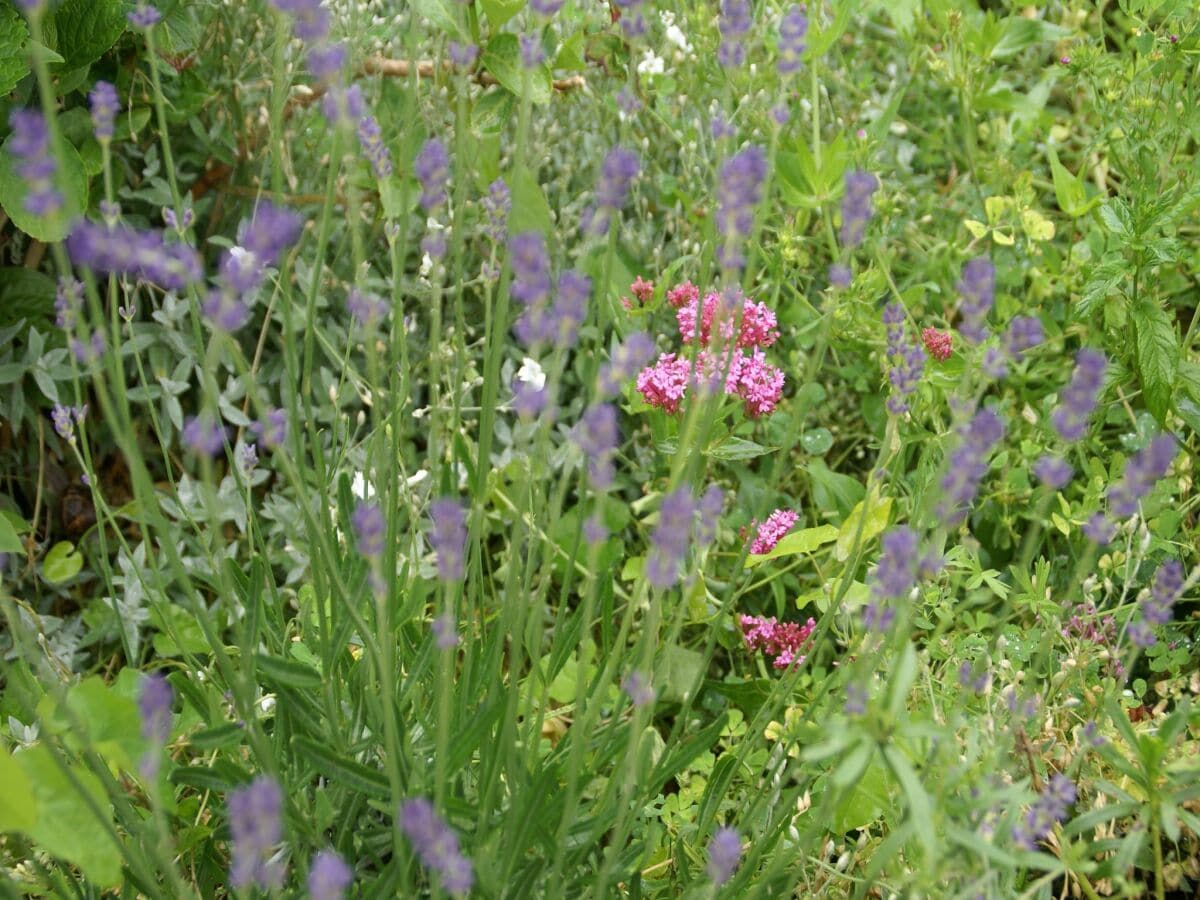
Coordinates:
(523,448)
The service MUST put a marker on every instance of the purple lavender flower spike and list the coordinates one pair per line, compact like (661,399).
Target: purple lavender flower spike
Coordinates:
(793,30)
(367,309)
(620,168)
(448,537)
(328,877)
(712,504)
(445,634)
(369,528)
(1156,608)
(30,147)
(724,854)
(256,826)
(628,359)
(1052,471)
(1024,333)
(1099,530)
(739,191)
(436,845)
(1142,472)
(840,275)
(155,699)
(143,254)
(530,268)
(67,299)
(145,16)
(856,206)
(1052,807)
(104,105)
(272,430)
(310,20)
(735,21)
(907,360)
(633,23)
(432,168)
(462,55)
(637,686)
(326,61)
(154,706)
(1078,400)
(978,289)
(597,436)
(370,137)
(532,52)
(669,542)
(496,207)
(546,8)
(968,464)
(204,435)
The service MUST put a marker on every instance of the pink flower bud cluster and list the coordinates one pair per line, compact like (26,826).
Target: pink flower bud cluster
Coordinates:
(769,532)
(731,331)
(782,640)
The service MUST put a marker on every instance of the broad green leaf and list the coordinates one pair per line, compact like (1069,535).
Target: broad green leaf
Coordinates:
(287,673)
(819,41)
(878,512)
(1020,33)
(678,672)
(736,448)
(853,764)
(817,441)
(866,801)
(112,721)
(920,807)
(804,541)
(66,826)
(1157,356)
(441,14)
(18,809)
(530,211)
(1036,226)
(503,59)
(500,11)
(86,29)
(833,491)
(71,182)
(570,54)
(14,35)
(183,628)
(62,563)
(10,541)
(25,294)
(1069,190)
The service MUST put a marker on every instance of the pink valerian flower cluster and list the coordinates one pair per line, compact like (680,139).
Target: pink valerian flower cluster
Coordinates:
(782,640)
(642,290)
(938,343)
(769,532)
(731,357)
(757,328)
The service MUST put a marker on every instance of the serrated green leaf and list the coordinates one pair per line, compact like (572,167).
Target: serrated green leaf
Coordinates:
(14,35)
(1157,356)
(71,181)
(62,563)
(806,540)
(1020,33)
(503,59)
(866,801)
(86,29)
(25,294)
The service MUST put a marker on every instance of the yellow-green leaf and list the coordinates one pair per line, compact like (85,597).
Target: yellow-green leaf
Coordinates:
(977,229)
(18,808)
(877,513)
(804,541)
(1036,226)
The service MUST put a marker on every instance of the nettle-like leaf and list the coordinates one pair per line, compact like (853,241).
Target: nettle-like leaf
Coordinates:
(71,181)
(14,60)
(86,29)
(1158,355)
